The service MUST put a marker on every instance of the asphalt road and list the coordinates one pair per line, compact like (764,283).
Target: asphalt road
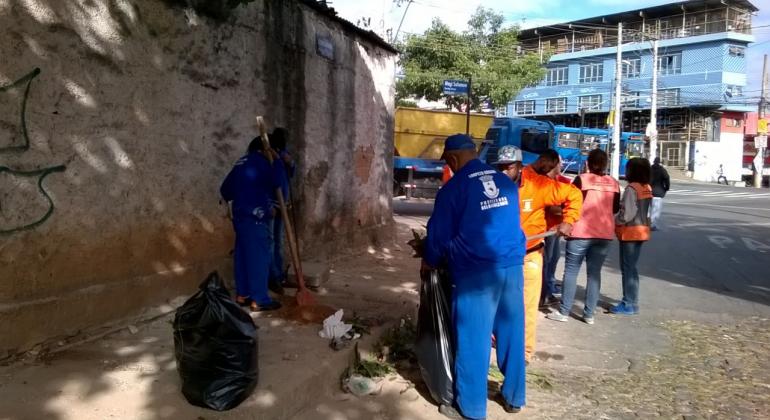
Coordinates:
(710,259)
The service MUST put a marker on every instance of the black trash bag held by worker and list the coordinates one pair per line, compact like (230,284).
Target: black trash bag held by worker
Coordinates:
(215,344)
(435,343)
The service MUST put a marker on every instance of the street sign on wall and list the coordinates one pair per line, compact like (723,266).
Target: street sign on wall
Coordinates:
(455,87)
(760,141)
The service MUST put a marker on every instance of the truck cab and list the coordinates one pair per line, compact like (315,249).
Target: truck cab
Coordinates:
(531,136)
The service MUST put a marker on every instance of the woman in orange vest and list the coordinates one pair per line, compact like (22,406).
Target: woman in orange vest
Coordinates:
(632,227)
(591,236)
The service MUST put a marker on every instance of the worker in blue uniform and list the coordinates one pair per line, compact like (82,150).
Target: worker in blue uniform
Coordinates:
(250,189)
(475,232)
(286,168)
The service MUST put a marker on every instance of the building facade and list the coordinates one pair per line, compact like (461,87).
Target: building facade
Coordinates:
(701,72)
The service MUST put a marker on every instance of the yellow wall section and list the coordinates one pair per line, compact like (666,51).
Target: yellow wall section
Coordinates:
(421,133)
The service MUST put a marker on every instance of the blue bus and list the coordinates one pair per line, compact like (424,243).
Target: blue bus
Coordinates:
(574,143)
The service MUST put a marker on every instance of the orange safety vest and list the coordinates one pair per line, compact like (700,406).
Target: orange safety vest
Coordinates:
(597,220)
(446,175)
(638,229)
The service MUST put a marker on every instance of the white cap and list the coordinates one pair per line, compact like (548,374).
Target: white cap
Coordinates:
(508,154)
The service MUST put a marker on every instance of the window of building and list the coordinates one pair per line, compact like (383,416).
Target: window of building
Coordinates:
(590,102)
(525,107)
(556,76)
(632,68)
(555,105)
(631,100)
(733,122)
(668,97)
(593,72)
(737,51)
(670,64)
(734,90)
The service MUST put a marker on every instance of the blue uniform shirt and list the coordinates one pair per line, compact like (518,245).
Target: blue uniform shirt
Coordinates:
(251,185)
(475,222)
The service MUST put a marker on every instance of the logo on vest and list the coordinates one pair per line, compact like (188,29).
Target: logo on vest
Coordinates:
(490,188)
(527,205)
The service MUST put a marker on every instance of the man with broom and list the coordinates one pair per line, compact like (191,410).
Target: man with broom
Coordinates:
(250,187)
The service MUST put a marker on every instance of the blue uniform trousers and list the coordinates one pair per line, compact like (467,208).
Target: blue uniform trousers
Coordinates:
(277,273)
(253,254)
(486,302)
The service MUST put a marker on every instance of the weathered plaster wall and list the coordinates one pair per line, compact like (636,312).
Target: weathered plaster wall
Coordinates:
(148,107)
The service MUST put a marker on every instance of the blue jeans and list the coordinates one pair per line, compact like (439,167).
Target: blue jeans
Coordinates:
(484,302)
(551,254)
(595,252)
(277,273)
(252,259)
(629,256)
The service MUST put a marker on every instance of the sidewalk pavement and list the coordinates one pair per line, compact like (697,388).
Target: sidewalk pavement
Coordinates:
(580,371)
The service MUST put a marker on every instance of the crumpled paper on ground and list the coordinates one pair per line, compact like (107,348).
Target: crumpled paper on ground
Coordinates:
(333,327)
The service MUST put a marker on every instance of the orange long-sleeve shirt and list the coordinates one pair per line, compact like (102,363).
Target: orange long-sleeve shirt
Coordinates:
(536,192)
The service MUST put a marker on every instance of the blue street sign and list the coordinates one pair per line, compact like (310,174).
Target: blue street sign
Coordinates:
(455,87)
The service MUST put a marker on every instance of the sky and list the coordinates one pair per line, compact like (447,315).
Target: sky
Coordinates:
(385,14)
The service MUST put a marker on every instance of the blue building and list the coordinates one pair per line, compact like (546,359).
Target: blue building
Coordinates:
(702,72)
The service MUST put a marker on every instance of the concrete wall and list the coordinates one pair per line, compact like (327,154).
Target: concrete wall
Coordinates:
(148,107)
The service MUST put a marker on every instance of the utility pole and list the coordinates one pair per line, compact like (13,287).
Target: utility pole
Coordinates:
(615,168)
(395,37)
(468,109)
(759,160)
(652,129)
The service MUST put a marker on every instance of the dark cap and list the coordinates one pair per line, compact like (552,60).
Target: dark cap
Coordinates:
(458,142)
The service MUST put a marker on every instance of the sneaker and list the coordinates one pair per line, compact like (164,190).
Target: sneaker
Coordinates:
(450,412)
(272,306)
(508,407)
(624,309)
(588,320)
(557,316)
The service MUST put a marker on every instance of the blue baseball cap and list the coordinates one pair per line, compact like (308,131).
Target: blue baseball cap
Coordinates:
(458,142)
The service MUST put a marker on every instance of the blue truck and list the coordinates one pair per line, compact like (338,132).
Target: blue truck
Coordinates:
(532,137)
(572,143)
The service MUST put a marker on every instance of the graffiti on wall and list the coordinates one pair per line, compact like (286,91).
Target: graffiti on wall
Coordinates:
(41,173)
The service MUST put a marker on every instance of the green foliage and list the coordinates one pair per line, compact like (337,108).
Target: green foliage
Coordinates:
(406,103)
(397,343)
(218,10)
(487,52)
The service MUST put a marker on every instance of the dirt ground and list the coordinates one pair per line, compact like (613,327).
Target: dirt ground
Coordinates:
(640,367)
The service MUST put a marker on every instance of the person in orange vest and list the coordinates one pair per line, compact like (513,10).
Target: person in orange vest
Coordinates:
(551,291)
(536,193)
(591,236)
(632,227)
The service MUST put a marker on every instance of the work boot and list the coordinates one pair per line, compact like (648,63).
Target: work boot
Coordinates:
(450,412)
(508,407)
(276,287)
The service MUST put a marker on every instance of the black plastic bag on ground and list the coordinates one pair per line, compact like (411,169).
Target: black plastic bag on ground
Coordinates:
(215,343)
(434,346)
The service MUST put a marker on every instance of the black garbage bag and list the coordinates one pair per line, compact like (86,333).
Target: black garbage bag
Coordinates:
(215,343)
(435,345)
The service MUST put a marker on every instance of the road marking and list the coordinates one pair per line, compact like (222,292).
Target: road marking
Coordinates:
(719,206)
(755,245)
(720,241)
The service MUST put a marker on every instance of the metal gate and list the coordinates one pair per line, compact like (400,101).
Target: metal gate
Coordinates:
(672,154)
